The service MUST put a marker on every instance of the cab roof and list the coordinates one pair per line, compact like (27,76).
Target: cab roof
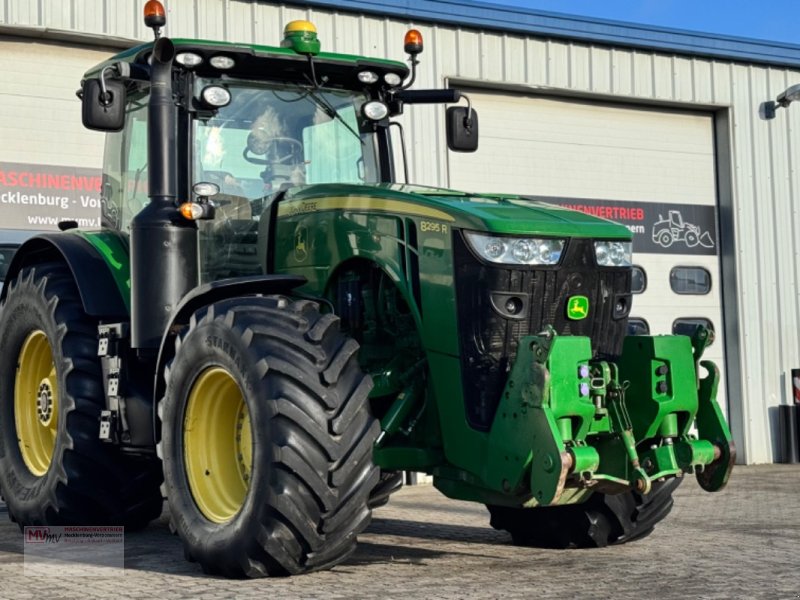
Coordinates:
(253,61)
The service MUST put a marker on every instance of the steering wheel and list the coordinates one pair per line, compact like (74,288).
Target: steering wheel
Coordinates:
(292,150)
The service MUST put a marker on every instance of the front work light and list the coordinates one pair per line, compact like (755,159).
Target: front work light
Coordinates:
(515,250)
(392,79)
(614,253)
(222,62)
(205,189)
(188,59)
(216,96)
(375,110)
(367,76)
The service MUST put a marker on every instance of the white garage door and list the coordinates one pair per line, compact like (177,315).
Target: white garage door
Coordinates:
(651,169)
(49,164)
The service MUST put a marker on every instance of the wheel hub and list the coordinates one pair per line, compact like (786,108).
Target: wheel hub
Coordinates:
(217,445)
(44,402)
(36,403)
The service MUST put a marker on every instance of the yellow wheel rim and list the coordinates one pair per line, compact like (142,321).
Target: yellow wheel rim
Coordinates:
(36,403)
(218,445)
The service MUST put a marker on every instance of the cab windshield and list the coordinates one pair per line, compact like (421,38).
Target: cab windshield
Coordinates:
(269,138)
(273,136)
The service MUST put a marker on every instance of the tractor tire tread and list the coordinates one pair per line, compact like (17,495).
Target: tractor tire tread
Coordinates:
(88,482)
(307,513)
(602,520)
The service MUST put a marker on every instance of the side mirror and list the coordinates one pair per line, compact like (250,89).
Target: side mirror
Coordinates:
(103,104)
(462,129)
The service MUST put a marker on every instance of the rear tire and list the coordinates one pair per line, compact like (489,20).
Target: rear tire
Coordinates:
(294,494)
(54,469)
(600,521)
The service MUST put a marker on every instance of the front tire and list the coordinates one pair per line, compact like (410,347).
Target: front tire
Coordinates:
(54,469)
(600,521)
(267,439)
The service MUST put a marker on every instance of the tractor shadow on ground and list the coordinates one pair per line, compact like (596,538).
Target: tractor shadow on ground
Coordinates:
(438,531)
(156,549)
(372,550)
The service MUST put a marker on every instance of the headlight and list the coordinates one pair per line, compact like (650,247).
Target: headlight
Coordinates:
(613,254)
(516,251)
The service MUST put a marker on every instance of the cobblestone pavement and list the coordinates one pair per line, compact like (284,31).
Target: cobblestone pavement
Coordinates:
(743,542)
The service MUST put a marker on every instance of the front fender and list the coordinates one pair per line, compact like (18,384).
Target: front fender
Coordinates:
(99,290)
(206,294)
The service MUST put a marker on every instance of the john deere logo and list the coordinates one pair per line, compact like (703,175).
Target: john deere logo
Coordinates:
(578,308)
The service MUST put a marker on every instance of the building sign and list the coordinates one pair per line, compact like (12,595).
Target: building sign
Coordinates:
(658,227)
(41,196)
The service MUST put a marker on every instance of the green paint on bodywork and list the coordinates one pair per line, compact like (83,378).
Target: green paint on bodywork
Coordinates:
(113,247)
(498,214)
(566,424)
(615,416)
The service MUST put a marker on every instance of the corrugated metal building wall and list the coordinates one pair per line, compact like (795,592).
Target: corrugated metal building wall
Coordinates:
(758,179)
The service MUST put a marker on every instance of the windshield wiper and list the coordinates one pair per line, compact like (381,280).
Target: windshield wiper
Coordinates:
(328,108)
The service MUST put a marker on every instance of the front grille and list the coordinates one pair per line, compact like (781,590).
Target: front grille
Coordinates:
(489,334)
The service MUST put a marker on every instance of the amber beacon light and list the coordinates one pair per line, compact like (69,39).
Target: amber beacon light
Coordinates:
(154,15)
(412,43)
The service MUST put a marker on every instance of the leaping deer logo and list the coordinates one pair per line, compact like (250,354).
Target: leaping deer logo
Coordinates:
(578,307)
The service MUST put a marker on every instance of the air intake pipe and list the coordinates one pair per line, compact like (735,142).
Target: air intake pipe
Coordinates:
(164,262)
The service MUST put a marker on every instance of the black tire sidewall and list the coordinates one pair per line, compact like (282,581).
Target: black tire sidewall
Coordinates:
(26,310)
(214,344)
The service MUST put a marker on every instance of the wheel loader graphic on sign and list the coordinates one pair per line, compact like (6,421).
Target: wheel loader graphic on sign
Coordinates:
(674,229)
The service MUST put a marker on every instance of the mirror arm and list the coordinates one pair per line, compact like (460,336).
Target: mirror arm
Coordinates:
(117,70)
(105,97)
(468,118)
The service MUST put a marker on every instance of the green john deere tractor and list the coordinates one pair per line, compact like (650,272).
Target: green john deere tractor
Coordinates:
(275,328)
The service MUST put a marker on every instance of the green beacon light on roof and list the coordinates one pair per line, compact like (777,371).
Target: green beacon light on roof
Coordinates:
(301,36)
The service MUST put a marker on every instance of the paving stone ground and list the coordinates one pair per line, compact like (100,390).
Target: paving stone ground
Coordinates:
(743,542)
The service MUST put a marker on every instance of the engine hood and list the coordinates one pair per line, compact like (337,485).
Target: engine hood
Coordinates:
(500,213)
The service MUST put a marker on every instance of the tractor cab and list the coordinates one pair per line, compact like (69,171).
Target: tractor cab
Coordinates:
(249,123)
